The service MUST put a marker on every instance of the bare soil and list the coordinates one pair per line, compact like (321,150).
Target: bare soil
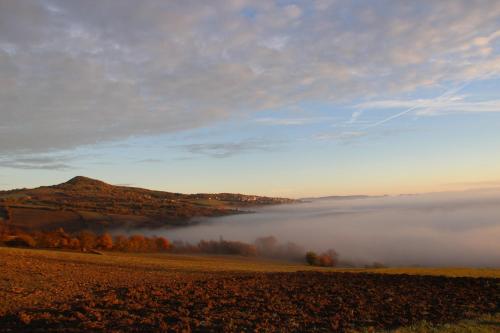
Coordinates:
(69,293)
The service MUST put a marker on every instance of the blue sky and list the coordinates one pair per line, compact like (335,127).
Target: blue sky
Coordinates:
(283,98)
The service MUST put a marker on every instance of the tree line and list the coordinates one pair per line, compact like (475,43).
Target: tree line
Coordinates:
(88,241)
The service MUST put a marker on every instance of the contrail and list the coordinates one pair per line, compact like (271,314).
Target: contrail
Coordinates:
(446,96)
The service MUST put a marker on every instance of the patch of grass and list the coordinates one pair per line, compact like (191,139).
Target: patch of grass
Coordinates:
(450,272)
(484,324)
(164,261)
(214,263)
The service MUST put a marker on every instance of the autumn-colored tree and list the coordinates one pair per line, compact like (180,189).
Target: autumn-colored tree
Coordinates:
(266,245)
(136,243)
(149,245)
(4,231)
(105,242)
(331,257)
(293,251)
(120,243)
(63,243)
(226,247)
(179,246)
(325,261)
(52,239)
(88,240)
(162,244)
(311,258)
(328,258)
(74,243)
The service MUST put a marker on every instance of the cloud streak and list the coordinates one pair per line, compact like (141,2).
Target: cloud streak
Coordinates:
(291,121)
(36,162)
(224,150)
(437,106)
(443,104)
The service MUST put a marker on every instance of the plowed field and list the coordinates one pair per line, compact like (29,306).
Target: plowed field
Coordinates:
(71,296)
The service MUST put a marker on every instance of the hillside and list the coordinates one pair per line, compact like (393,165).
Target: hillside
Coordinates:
(85,203)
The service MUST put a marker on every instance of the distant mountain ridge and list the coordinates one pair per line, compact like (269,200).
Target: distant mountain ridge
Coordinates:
(86,203)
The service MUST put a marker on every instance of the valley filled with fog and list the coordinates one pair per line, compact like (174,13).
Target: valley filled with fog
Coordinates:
(439,229)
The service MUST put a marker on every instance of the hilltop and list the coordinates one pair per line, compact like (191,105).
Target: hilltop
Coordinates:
(86,203)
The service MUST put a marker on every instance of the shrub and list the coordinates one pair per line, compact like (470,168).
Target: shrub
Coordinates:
(270,247)
(74,243)
(88,240)
(312,258)
(227,247)
(266,245)
(325,261)
(105,242)
(136,243)
(293,251)
(120,243)
(328,258)
(162,244)
(53,239)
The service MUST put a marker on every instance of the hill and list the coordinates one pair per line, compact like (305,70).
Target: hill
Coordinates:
(85,203)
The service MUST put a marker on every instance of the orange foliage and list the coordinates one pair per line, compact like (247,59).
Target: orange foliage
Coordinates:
(162,244)
(328,258)
(105,242)
(88,240)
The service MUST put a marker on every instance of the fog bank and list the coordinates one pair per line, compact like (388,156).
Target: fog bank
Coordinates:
(441,229)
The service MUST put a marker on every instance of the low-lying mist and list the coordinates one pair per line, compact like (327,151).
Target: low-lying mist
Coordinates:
(440,229)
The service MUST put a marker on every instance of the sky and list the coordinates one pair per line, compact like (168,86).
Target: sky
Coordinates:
(281,98)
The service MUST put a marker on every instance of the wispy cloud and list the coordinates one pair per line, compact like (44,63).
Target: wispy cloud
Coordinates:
(227,149)
(346,136)
(150,160)
(291,121)
(445,101)
(355,116)
(437,106)
(36,162)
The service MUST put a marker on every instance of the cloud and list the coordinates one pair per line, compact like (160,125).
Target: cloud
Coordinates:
(223,150)
(85,72)
(276,43)
(346,136)
(436,106)
(293,11)
(355,116)
(150,160)
(36,162)
(290,121)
